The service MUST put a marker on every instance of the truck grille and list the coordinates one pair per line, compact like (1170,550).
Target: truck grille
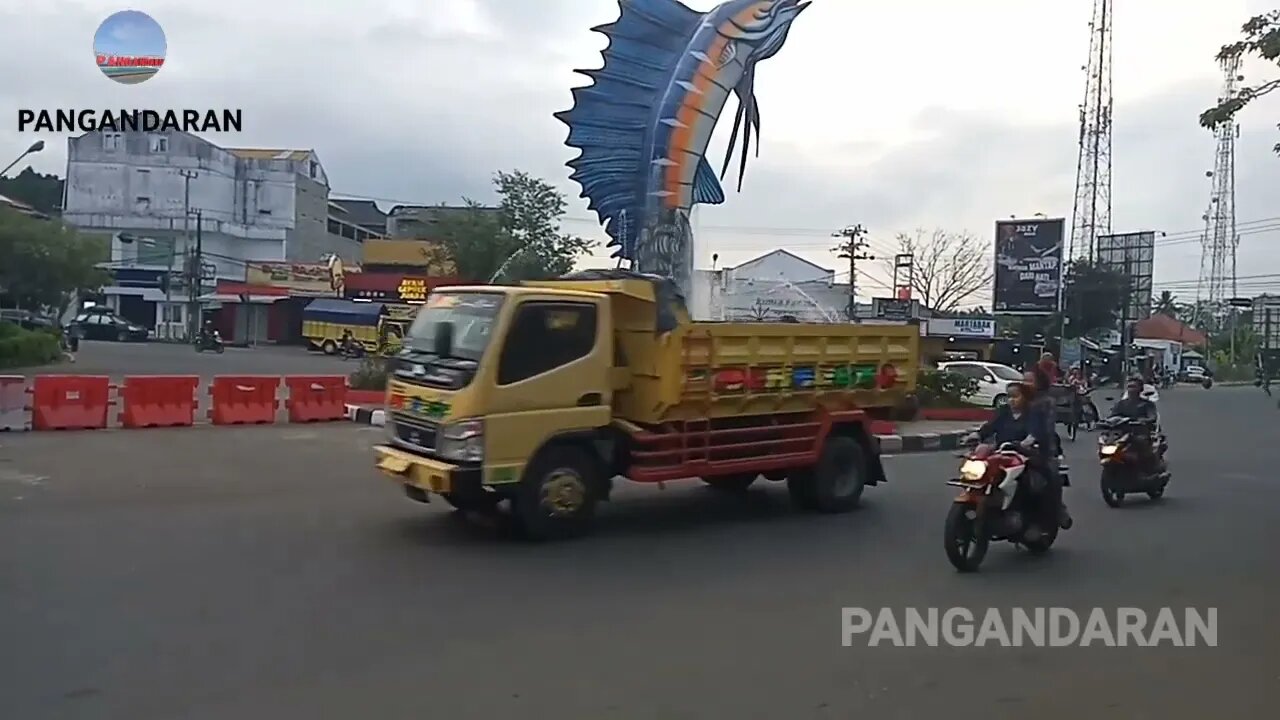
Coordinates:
(414,433)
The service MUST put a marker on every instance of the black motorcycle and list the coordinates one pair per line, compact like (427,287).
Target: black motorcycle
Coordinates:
(1131,452)
(210,341)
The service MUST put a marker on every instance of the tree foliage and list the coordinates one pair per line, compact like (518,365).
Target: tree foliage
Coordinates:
(42,192)
(43,263)
(1261,39)
(1093,296)
(521,240)
(948,267)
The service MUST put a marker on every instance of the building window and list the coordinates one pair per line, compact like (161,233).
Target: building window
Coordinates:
(159,144)
(334,227)
(315,168)
(264,211)
(111,142)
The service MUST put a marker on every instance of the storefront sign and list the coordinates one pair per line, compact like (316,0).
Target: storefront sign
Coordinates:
(302,278)
(413,290)
(983,328)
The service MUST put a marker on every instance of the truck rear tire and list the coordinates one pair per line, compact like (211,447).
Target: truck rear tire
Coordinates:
(329,347)
(836,483)
(557,497)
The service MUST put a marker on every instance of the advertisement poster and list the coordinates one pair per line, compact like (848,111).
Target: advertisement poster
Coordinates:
(1028,274)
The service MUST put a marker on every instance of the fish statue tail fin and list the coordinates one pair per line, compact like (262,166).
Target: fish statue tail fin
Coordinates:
(610,118)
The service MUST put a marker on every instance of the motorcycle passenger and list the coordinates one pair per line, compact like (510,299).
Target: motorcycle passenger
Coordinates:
(1135,407)
(1036,384)
(206,333)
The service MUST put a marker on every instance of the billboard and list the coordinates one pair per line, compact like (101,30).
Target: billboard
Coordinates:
(1028,275)
(299,278)
(429,255)
(1132,255)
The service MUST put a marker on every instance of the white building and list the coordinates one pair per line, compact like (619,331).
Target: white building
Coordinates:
(253,204)
(1267,328)
(774,286)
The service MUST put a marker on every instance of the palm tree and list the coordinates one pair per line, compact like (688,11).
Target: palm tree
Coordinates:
(1166,304)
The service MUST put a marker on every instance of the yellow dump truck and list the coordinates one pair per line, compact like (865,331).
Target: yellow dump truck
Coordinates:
(544,394)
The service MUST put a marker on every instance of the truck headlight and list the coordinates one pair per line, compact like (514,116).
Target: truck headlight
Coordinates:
(462,440)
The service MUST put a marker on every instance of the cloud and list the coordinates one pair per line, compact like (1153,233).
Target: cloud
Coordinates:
(422,102)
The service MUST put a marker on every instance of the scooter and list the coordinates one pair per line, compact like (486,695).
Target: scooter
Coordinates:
(1126,468)
(210,341)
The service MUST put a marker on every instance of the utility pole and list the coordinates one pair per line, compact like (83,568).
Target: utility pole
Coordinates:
(852,250)
(187,177)
(195,278)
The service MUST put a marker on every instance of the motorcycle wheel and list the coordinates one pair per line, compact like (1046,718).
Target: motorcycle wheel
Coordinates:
(1041,546)
(965,539)
(221,348)
(1112,497)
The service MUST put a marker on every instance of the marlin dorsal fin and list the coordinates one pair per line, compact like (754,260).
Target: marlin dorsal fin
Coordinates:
(610,116)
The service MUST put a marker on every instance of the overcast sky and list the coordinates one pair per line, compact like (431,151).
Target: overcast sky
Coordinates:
(895,115)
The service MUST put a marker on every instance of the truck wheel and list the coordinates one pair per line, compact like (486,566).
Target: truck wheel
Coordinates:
(836,483)
(731,483)
(558,494)
(329,347)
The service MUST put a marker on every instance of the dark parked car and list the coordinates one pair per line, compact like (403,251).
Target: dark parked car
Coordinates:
(106,326)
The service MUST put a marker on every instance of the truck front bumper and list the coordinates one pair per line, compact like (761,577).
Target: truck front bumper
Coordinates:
(426,475)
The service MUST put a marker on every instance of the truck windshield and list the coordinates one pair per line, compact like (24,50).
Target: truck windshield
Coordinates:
(472,315)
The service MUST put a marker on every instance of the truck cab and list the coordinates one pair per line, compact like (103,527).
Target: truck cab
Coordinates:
(488,376)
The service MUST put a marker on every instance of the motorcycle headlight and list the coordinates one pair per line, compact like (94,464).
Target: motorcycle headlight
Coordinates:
(462,440)
(973,470)
(1108,450)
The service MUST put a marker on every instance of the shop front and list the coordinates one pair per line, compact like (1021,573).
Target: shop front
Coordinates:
(948,339)
(400,293)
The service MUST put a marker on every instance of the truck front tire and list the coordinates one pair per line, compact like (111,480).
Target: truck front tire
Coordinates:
(557,497)
(836,483)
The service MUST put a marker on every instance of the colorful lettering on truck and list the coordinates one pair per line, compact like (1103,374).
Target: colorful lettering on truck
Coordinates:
(542,395)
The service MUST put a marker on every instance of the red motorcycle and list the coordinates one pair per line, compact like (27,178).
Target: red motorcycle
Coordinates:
(999,500)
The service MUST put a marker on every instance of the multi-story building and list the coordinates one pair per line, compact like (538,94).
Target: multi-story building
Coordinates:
(1266,320)
(162,191)
(422,222)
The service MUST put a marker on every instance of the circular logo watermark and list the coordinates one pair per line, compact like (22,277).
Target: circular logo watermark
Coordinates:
(130,47)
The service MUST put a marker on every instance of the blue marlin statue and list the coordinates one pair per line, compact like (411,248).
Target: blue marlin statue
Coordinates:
(644,123)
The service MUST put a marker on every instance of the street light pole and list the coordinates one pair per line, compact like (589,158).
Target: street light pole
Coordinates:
(36,147)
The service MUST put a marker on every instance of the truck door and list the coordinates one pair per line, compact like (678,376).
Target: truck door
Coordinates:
(552,378)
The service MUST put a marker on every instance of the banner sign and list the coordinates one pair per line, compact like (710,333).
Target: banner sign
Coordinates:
(984,328)
(1028,274)
(301,278)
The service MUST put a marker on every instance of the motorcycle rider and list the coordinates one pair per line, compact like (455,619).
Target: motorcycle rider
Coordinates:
(1023,421)
(1135,407)
(349,347)
(205,338)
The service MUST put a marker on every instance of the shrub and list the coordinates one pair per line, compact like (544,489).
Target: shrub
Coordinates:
(24,348)
(942,389)
(371,375)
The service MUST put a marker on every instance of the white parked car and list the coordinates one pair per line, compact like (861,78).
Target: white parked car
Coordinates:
(993,380)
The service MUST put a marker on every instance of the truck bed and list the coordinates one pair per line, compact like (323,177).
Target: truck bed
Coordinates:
(709,370)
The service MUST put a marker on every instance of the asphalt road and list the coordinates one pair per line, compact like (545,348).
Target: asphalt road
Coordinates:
(269,573)
(154,358)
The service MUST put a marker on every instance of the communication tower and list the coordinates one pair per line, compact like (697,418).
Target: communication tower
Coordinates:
(1092,214)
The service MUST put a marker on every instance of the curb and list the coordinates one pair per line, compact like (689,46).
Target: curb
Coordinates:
(366,416)
(924,442)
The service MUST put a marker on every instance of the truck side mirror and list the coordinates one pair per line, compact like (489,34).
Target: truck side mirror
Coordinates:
(444,339)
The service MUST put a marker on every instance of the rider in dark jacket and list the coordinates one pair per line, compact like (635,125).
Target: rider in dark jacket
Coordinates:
(1018,422)
(1135,407)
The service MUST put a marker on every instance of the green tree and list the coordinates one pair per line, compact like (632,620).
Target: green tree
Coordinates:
(1093,297)
(42,192)
(1166,304)
(522,240)
(1261,39)
(44,263)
